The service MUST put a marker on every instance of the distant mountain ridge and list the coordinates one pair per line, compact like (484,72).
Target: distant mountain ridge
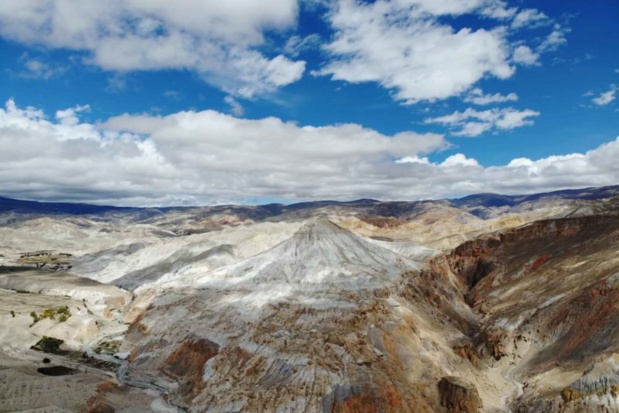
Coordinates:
(485,200)
(497,200)
(60,208)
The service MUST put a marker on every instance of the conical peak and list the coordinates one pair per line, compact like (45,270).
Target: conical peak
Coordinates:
(323,255)
(320,224)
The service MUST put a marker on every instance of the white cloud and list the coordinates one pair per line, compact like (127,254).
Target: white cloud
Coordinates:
(297,44)
(555,39)
(525,56)
(36,68)
(68,117)
(404,47)
(209,157)
(414,159)
(203,156)
(606,97)
(218,40)
(461,175)
(472,122)
(459,159)
(498,10)
(116,83)
(235,107)
(528,17)
(472,128)
(478,97)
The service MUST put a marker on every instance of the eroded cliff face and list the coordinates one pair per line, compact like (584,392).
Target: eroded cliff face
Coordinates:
(354,355)
(547,295)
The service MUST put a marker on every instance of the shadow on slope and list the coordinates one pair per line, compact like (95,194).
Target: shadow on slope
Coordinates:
(211,258)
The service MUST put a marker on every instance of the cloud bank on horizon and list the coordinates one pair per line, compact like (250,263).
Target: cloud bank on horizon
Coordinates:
(401,85)
(210,157)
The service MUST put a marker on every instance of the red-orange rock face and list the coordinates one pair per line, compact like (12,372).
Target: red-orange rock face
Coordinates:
(186,364)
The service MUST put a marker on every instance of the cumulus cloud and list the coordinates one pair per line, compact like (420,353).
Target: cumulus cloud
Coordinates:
(205,157)
(405,45)
(528,17)
(401,46)
(69,117)
(606,97)
(478,97)
(458,159)
(525,56)
(209,157)
(472,122)
(459,174)
(218,40)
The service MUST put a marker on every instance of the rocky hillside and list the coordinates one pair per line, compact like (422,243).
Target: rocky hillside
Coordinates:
(545,299)
(484,304)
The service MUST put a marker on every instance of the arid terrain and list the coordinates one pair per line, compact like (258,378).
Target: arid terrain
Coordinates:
(487,303)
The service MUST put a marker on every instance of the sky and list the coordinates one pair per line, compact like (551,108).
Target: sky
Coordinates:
(198,102)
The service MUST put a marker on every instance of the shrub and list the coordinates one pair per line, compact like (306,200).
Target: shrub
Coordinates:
(48,345)
(35,317)
(49,313)
(63,312)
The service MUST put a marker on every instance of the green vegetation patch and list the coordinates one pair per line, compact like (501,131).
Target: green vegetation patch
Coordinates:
(63,314)
(48,345)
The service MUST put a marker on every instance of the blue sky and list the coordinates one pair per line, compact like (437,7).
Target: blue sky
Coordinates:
(198,102)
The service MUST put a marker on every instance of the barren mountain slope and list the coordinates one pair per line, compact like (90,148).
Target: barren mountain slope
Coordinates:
(299,343)
(319,254)
(133,265)
(262,309)
(321,322)
(547,295)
